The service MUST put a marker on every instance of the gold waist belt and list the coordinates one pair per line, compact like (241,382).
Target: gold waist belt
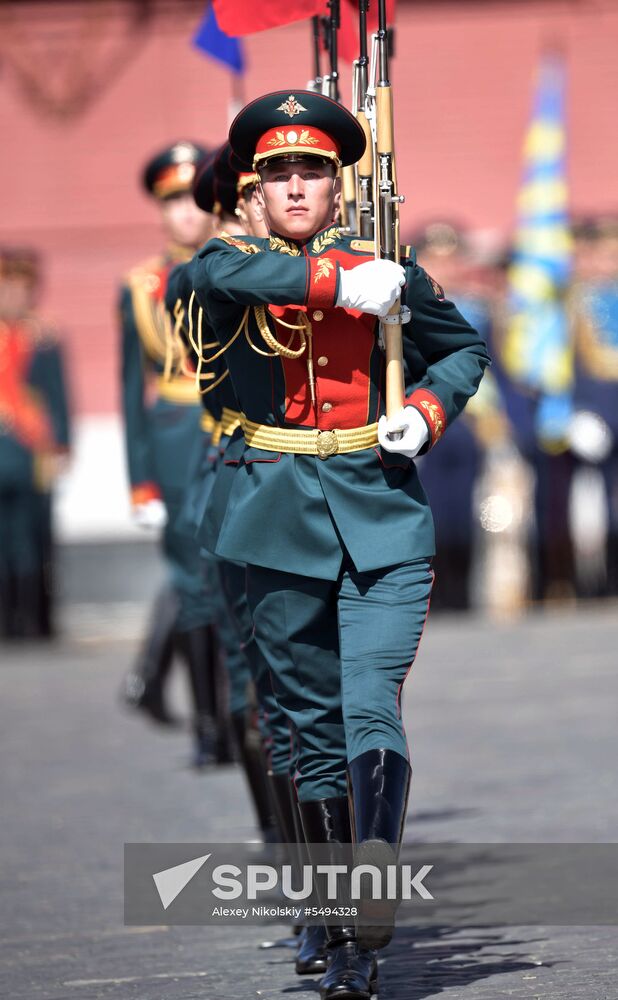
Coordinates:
(230,420)
(178,390)
(208,423)
(310,442)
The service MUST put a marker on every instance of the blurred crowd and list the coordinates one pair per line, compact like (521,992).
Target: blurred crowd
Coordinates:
(34,446)
(518,518)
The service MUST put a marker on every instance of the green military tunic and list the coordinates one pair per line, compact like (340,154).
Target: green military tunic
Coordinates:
(371,501)
(161,435)
(213,475)
(338,545)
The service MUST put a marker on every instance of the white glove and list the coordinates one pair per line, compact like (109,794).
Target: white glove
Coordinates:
(413,431)
(371,287)
(590,438)
(151,514)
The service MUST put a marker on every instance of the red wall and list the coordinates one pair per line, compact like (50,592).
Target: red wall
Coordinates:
(463,78)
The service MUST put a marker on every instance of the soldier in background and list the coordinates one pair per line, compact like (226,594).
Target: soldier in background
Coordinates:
(549,461)
(449,473)
(260,729)
(34,443)
(478,481)
(593,311)
(162,429)
(503,416)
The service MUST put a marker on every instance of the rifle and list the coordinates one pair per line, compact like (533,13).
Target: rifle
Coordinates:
(379,112)
(364,167)
(331,89)
(317,82)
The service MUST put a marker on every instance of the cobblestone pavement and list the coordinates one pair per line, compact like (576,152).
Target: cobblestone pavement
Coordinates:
(513,736)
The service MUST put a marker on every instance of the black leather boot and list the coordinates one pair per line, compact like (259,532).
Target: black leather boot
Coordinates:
(379,783)
(46,626)
(352,971)
(26,606)
(311,951)
(7,606)
(311,954)
(144,686)
(205,741)
(253,760)
(196,646)
(219,696)
(290,831)
(283,799)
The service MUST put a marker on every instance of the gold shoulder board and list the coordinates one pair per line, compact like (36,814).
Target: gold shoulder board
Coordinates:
(363,246)
(239,244)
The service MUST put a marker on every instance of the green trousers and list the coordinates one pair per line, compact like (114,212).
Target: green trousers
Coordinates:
(274,724)
(339,652)
(20,529)
(197,601)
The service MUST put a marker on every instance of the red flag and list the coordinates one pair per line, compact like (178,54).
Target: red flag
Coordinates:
(348,43)
(239,17)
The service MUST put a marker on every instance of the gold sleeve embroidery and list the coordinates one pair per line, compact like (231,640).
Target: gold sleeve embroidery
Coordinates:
(324,268)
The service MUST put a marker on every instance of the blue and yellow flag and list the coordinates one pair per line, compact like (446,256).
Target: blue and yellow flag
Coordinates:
(538,353)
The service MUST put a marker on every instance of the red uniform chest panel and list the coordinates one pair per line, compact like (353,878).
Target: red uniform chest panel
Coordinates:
(342,344)
(15,355)
(26,413)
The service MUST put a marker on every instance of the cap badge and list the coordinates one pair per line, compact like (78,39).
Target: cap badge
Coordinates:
(291,138)
(186,172)
(183,152)
(291,107)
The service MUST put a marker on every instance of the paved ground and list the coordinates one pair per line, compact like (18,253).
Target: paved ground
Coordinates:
(514,738)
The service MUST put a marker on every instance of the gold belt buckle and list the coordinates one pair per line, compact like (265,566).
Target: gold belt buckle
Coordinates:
(327,444)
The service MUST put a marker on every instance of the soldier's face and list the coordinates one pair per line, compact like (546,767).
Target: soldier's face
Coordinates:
(184,222)
(251,214)
(17,296)
(299,197)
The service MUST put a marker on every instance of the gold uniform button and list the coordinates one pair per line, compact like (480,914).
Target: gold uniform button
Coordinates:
(322,361)
(318,315)
(327,407)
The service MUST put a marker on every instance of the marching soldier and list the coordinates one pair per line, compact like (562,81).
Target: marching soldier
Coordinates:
(326,507)
(161,436)
(594,320)
(550,555)
(228,188)
(34,442)
(215,192)
(450,472)
(479,450)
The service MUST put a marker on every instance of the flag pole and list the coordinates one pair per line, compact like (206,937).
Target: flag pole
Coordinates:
(237,99)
